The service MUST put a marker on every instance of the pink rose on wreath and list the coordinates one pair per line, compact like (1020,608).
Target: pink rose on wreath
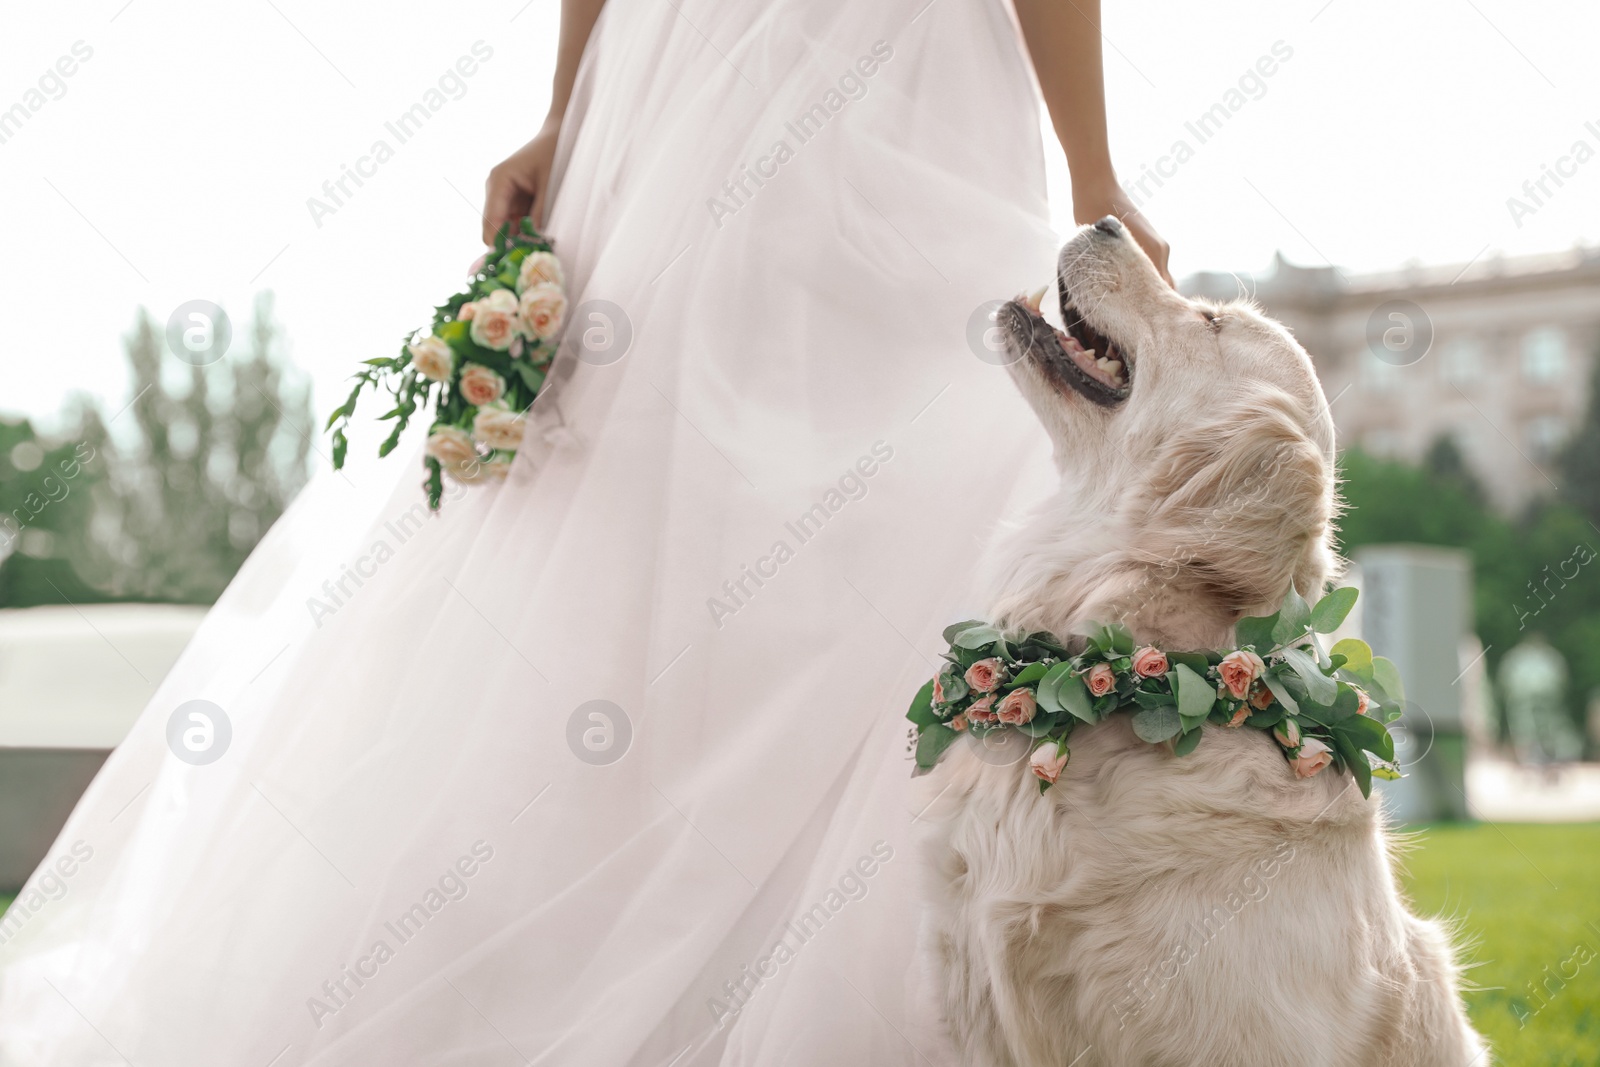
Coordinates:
(494,320)
(1101,679)
(1239,716)
(984,675)
(1314,755)
(938,688)
(1260,697)
(480,385)
(1017,707)
(1046,763)
(958,723)
(1364,701)
(542,308)
(1149,662)
(983,710)
(1288,733)
(1238,670)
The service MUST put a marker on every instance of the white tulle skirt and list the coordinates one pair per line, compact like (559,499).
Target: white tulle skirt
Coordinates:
(424,843)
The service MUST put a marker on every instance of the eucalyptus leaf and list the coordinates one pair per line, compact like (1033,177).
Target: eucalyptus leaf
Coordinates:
(1029,675)
(1387,676)
(976,636)
(1048,693)
(1157,724)
(1186,743)
(1195,694)
(1319,687)
(1281,692)
(1293,618)
(932,743)
(1357,657)
(1332,609)
(921,711)
(1256,631)
(1074,697)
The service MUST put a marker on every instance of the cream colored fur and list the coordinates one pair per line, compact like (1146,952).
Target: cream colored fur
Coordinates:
(1151,910)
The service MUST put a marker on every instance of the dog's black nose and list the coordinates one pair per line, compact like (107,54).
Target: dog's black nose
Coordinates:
(1111,226)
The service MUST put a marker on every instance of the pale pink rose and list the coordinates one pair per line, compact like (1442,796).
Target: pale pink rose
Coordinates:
(958,723)
(1101,679)
(467,312)
(540,268)
(983,710)
(1238,670)
(1149,662)
(1260,697)
(542,309)
(984,675)
(938,688)
(1046,763)
(1239,716)
(480,385)
(1365,701)
(1288,733)
(498,428)
(1017,707)
(450,446)
(1314,755)
(432,358)
(494,319)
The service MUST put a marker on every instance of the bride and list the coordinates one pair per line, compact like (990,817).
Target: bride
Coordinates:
(605,764)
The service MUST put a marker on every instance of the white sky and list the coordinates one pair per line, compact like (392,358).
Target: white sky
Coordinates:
(177,164)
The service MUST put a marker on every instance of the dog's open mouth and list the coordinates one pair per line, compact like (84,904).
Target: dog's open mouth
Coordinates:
(1079,357)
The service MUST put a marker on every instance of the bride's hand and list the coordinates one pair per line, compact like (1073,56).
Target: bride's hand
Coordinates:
(1095,204)
(516,187)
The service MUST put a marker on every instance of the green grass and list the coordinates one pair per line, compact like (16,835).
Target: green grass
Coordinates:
(1523,897)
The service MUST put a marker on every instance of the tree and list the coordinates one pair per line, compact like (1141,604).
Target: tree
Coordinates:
(196,468)
(1579,461)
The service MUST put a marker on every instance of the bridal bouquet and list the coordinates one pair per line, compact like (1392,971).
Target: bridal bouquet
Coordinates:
(1321,707)
(478,367)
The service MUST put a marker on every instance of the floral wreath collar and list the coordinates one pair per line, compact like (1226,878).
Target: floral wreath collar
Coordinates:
(1321,707)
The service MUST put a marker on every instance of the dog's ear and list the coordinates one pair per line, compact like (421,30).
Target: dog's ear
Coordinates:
(1242,505)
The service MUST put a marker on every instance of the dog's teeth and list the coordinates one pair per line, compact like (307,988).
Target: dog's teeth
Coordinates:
(1115,367)
(1032,299)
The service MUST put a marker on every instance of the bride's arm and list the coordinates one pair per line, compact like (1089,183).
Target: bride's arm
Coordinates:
(516,187)
(1063,38)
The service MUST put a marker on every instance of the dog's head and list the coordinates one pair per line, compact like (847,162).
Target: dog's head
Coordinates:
(1193,440)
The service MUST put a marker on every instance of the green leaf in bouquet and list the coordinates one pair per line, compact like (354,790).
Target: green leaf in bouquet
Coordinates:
(1029,675)
(1157,724)
(957,627)
(1195,694)
(921,711)
(1187,742)
(1281,692)
(434,482)
(931,744)
(1319,687)
(1368,734)
(1117,638)
(1153,700)
(1357,657)
(1048,693)
(1195,661)
(976,637)
(1387,677)
(1355,762)
(340,445)
(1074,697)
(1293,618)
(1332,609)
(1254,631)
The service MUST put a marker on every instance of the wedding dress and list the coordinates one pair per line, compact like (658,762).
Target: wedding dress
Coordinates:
(419,839)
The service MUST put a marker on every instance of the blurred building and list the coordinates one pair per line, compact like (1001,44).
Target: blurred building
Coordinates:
(1496,354)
